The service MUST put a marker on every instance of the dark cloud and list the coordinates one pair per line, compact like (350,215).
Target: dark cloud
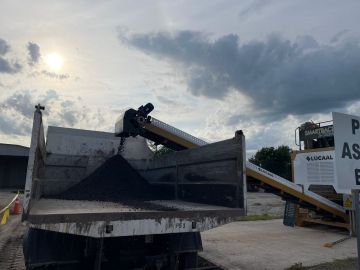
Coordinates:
(9,127)
(24,101)
(50,95)
(74,115)
(34,51)
(6,65)
(4,47)
(167,101)
(17,110)
(306,42)
(67,103)
(54,75)
(70,117)
(255,6)
(336,38)
(281,76)
(10,67)
(21,102)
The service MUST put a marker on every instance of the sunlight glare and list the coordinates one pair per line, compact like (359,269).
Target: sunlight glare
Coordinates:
(54,61)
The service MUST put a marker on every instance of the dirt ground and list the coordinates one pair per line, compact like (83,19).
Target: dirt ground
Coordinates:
(264,203)
(271,245)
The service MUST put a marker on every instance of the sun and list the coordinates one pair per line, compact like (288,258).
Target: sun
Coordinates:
(54,61)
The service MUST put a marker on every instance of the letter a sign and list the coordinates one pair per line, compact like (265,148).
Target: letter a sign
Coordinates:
(347,150)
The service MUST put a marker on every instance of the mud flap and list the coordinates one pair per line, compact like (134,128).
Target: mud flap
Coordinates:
(43,248)
(289,214)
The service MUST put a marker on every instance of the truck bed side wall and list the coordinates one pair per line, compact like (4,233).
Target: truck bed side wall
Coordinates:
(73,154)
(36,166)
(213,174)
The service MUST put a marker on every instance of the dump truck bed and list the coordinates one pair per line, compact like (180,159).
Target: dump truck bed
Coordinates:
(206,186)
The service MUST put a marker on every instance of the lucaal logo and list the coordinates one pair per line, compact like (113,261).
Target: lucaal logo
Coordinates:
(319,158)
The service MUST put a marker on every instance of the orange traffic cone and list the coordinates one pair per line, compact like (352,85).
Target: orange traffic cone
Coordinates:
(16,207)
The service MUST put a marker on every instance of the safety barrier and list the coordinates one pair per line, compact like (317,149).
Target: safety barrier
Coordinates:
(6,210)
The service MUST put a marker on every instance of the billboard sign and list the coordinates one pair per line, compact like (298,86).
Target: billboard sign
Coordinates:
(347,150)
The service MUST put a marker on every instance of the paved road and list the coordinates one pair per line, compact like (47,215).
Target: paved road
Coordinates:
(11,235)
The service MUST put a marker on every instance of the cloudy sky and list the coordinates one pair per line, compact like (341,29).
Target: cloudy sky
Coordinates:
(209,67)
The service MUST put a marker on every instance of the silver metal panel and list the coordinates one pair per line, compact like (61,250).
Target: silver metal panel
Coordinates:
(66,160)
(79,142)
(13,150)
(65,173)
(222,172)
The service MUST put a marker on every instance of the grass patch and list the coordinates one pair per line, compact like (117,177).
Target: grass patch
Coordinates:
(296,266)
(260,217)
(348,263)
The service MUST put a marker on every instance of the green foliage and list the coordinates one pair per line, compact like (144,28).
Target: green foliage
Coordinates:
(159,150)
(275,160)
(348,263)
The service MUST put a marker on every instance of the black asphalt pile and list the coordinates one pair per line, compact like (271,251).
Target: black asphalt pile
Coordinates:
(115,181)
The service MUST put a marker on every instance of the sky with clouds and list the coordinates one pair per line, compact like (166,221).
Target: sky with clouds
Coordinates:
(209,67)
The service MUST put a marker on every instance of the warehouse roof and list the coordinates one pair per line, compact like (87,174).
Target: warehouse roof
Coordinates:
(13,150)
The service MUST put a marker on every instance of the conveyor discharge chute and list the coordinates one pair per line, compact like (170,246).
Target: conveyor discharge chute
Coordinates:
(138,122)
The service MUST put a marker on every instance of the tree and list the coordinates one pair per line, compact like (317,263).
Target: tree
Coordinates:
(159,150)
(275,160)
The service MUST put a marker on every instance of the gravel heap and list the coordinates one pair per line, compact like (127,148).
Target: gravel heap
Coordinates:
(115,181)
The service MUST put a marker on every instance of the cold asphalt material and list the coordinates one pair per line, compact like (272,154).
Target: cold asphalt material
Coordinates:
(115,181)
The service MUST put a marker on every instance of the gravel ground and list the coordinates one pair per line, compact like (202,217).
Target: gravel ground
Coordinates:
(264,203)
(11,235)
(260,245)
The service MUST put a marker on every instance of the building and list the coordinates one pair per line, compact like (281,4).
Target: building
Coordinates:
(13,165)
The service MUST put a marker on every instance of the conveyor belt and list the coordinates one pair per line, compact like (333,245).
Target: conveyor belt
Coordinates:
(292,192)
(178,132)
(173,134)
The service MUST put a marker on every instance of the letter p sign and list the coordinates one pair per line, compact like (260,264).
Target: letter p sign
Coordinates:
(355,125)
